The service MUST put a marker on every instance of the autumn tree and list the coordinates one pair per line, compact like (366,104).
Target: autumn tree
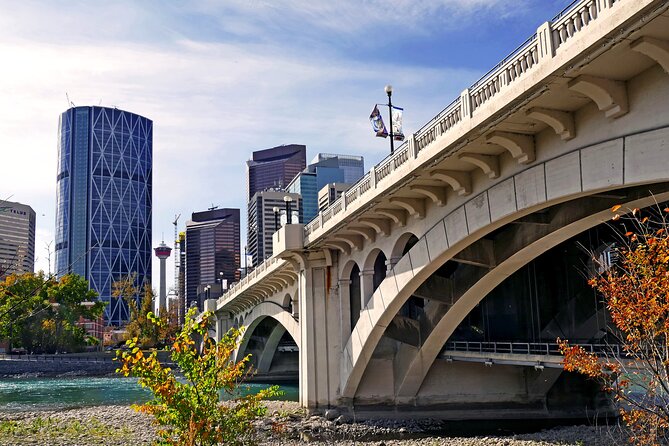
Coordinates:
(188,409)
(140,325)
(636,293)
(41,313)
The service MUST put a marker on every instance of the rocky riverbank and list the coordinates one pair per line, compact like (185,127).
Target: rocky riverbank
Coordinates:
(286,424)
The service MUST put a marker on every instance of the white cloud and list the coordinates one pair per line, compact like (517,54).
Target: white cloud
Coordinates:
(352,16)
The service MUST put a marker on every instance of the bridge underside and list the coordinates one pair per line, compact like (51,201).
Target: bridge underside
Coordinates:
(476,373)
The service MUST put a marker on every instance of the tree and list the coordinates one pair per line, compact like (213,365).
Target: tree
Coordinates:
(140,325)
(636,292)
(189,411)
(41,313)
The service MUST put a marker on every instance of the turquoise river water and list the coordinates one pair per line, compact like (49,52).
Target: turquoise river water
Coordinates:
(30,394)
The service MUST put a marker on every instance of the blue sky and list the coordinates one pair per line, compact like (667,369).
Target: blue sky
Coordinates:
(223,78)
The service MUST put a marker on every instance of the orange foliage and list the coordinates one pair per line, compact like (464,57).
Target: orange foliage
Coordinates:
(636,292)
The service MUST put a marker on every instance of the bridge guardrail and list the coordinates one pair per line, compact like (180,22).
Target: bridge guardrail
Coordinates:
(54,358)
(66,358)
(562,28)
(258,270)
(528,348)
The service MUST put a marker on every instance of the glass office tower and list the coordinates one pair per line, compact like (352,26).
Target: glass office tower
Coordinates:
(103,200)
(212,250)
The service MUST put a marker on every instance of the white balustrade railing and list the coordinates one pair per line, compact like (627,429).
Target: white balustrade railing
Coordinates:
(576,16)
(507,71)
(257,271)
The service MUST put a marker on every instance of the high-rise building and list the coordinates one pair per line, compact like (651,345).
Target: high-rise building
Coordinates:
(17,238)
(274,168)
(212,250)
(263,221)
(352,165)
(103,201)
(308,182)
(330,193)
(326,168)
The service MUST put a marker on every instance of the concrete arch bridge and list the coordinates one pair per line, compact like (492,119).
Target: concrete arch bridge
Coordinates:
(477,230)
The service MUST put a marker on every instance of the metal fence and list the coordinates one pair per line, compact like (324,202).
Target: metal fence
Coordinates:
(528,348)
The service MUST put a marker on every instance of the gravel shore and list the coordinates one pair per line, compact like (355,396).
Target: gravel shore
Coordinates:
(286,424)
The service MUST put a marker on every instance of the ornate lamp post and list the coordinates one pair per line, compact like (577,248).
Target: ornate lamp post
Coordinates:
(289,200)
(276,218)
(389,91)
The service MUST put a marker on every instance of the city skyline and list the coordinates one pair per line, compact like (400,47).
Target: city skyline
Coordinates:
(215,81)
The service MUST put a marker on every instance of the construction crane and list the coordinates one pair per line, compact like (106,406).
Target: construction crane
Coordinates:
(177,263)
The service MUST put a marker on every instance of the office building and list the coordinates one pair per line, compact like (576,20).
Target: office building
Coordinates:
(330,193)
(274,168)
(17,239)
(352,165)
(103,201)
(325,168)
(307,183)
(263,221)
(212,251)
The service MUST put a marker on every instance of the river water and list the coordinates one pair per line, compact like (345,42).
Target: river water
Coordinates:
(30,394)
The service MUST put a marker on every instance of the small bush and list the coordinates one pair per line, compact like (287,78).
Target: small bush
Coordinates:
(189,409)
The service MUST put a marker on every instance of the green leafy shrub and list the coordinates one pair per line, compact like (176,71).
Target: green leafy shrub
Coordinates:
(189,410)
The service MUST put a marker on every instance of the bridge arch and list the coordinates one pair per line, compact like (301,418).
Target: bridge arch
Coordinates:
(285,322)
(413,371)
(372,273)
(351,296)
(536,188)
(287,303)
(402,245)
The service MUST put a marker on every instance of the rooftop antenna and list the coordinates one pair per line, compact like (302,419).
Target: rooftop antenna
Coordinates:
(69,103)
(212,208)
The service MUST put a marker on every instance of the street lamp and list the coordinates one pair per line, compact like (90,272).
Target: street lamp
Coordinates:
(246,259)
(389,91)
(276,218)
(289,200)
(220,273)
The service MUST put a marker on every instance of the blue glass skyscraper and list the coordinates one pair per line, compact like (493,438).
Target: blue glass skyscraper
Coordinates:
(103,200)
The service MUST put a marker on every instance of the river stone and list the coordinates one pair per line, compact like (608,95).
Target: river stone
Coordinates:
(331,414)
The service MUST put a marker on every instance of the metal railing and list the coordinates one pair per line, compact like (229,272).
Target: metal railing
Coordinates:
(528,348)
(56,358)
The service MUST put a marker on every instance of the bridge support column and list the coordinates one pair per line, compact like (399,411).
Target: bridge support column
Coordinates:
(223,324)
(320,347)
(268,351)
(390,263)
(344,286)
(366,286)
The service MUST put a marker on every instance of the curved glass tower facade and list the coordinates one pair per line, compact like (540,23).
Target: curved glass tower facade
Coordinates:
(103,200)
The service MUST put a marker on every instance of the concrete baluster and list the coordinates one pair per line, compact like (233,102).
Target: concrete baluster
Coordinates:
(592,7)
(466,104)
(413,147)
